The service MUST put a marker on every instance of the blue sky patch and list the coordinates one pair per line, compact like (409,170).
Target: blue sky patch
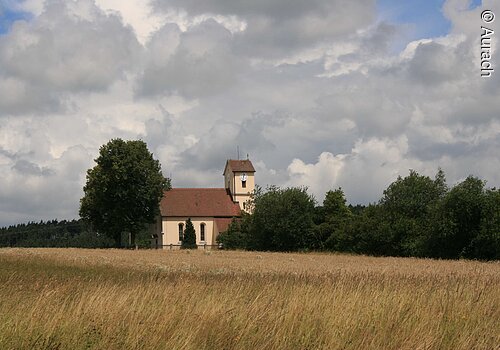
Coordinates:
(8,17)
(422,19)
(474,4)
(417,19)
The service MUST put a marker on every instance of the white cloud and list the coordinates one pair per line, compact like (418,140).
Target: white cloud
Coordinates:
(194,63)
(275,29)
(35,191)
(136,13)
(318,177)
(314,97)
(362,173)
(69,48)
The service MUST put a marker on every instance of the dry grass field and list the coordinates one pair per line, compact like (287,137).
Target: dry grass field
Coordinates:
(113,299)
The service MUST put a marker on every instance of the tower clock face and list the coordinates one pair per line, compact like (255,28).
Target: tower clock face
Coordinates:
(243,177)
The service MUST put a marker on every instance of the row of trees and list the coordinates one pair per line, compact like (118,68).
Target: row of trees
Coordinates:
(77,234)
(65,234)
(53,233)
(417,216)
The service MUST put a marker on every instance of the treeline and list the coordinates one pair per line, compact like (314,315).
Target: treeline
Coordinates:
(53,233)
(417,216)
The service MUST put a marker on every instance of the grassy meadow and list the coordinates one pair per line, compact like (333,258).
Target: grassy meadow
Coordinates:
(116,299)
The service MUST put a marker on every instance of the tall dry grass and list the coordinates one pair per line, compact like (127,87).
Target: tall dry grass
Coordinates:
(112,299)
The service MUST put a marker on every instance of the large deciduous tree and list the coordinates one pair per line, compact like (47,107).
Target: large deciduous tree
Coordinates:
(123,190)
(282,219)
(407,207)
(469,224)
(337,216)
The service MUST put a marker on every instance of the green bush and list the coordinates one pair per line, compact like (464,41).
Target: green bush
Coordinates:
(189,238)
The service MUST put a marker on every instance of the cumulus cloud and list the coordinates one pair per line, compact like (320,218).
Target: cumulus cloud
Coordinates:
(33,191)
(194,63)
(25,167)
(319,94)
(136,13)
(386,159)
(277,28)
(70,47)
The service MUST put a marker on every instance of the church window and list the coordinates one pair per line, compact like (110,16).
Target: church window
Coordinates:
(202,231)
(244,184)
(181,232)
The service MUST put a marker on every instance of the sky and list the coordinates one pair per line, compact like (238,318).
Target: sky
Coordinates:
(318,93)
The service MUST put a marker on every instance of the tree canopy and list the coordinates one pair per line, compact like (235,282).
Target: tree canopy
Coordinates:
(336,215)
(407,207)
(282,219)
(417,216)
(123,190)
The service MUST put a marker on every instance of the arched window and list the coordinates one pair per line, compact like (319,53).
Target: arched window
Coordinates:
(202,232)
(181,232)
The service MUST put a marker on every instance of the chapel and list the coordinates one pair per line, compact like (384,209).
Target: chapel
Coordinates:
(211,209)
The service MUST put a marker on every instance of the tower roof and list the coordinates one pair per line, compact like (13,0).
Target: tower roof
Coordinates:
(245,166)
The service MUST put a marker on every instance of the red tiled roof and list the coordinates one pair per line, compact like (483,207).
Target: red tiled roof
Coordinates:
(196,202)
(222,223)
(240,165)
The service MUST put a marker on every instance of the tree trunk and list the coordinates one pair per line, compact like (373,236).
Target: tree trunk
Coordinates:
(118,239)
(132,239)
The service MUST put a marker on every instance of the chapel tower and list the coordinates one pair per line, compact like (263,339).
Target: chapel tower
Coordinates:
(239,181)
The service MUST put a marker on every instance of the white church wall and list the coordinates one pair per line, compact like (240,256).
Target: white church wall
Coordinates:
(170,228)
